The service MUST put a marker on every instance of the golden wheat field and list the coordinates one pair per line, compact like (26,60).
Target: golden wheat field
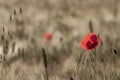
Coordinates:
(25,54)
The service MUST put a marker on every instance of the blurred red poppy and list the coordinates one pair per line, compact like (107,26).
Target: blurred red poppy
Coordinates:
(90,41)
(48,37)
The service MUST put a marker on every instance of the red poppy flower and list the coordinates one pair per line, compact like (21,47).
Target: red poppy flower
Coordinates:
(90,41)
(48,37)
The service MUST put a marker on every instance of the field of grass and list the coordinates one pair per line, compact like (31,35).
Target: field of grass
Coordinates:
(24,55)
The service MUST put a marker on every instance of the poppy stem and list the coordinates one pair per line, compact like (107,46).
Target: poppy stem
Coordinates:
(92,58)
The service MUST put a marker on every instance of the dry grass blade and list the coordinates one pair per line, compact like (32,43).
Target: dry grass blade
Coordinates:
(10,35)
(38,76)
(79,61)
(13,47)
(13,59)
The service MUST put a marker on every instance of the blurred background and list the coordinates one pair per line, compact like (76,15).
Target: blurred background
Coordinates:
(68,21)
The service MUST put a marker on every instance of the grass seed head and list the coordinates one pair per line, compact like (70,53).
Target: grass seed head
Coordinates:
(44,57)
(71,78)
(2,37)
(115,52)
(23,52)
(10,18)
(6,47)
(13,47)
(3,29)
(19,52)
(14,12)
(90,26)
(20,10)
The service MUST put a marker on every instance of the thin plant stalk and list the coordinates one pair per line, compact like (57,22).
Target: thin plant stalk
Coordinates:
(45,62)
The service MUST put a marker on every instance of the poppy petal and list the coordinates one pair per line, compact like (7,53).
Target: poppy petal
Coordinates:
(93,38)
